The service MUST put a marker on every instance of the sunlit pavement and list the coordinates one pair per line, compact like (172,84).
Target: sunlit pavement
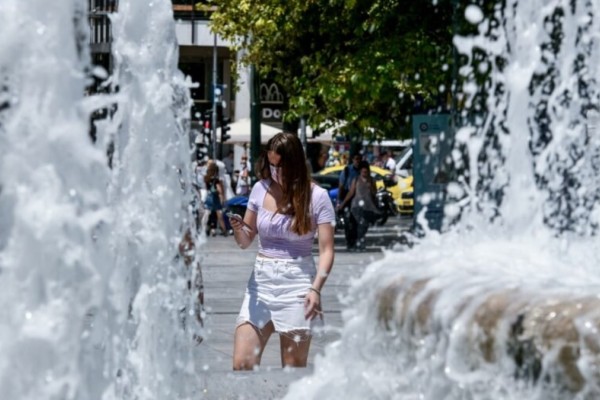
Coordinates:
(226,269)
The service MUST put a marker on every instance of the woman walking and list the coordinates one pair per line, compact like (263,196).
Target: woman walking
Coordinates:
(286,210)
(362,203)
(215,197)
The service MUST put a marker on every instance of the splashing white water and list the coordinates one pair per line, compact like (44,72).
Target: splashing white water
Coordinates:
(91,286)
(91,289)
(529,226)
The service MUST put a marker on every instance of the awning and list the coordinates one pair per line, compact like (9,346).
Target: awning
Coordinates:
(240,132)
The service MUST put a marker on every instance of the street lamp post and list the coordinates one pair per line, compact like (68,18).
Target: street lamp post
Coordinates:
(255,107)
(214,101)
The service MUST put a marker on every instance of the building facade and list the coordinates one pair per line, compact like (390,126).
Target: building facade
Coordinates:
(197,47)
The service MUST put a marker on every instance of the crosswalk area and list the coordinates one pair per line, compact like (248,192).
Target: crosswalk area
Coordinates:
(386,236)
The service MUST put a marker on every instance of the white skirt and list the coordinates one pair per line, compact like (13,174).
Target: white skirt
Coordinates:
(276,291)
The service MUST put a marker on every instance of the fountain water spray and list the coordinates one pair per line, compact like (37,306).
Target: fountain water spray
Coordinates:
(505,304)
(92,286)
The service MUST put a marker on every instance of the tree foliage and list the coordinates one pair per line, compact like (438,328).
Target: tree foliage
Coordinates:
(366,62)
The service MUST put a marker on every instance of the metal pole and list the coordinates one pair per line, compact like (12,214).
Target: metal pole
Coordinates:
(254,117)
(455,61)
(193,21)
(213,125)
(303,133)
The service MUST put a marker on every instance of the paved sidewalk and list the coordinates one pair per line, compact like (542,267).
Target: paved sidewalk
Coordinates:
(226,269)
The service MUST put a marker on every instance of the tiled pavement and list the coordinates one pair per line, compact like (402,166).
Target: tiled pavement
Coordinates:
(225,269)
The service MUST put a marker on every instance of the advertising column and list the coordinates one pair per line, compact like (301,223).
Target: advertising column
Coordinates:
(433,136)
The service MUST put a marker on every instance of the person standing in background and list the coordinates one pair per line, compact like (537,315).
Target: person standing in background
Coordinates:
(215,195)
(228,165)
(199,187)
(347,176)
(363,206)
(228,161)
(285,210)
(226,179)
(388,161)
(243,182)
(320,162)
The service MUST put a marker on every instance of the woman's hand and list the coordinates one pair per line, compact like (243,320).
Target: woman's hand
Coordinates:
(312,305)
(237,224)
(244,229)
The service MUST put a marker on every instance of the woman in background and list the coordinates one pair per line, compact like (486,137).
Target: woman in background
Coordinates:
(362,203)
(215,196)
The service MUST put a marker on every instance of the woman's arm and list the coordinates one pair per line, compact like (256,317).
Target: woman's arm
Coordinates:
(244,175)
(312,303)
(244,237)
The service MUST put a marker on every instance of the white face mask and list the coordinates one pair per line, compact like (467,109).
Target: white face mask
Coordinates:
(275,174)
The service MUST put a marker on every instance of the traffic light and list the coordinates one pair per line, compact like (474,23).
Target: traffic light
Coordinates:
(207,127)
(200,144)
(224,128)
(206,124)
(204,143)
(202,152)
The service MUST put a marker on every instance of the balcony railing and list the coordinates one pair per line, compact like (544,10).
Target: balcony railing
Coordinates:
(100,26)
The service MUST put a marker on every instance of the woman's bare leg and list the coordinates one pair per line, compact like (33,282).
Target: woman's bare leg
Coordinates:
(294,348)
(249,344)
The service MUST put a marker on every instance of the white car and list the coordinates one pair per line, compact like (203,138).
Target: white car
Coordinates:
(404,163)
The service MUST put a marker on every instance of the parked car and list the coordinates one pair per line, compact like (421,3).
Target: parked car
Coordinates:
(404,170)
(406,203)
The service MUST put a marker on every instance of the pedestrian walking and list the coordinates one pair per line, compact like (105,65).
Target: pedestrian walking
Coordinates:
(388,161)
(201,214)
(286,210)
(228,162)
(215,196)
(363,206)
(243,182)
(347,176)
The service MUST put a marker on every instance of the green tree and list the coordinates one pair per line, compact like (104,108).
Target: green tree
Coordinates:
(365,62)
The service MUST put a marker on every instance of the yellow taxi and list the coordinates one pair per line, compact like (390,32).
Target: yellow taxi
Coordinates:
(406,204)
(383,178)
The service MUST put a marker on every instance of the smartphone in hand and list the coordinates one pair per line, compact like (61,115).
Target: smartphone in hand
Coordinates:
(239,219)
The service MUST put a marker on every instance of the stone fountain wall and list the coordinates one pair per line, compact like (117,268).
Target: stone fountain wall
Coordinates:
(544,339)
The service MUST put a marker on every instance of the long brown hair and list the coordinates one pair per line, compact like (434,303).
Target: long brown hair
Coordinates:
(295,180)
(212,170)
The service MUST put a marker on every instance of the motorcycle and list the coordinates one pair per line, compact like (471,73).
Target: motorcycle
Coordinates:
(384,201)
(339,215)
(386,205)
